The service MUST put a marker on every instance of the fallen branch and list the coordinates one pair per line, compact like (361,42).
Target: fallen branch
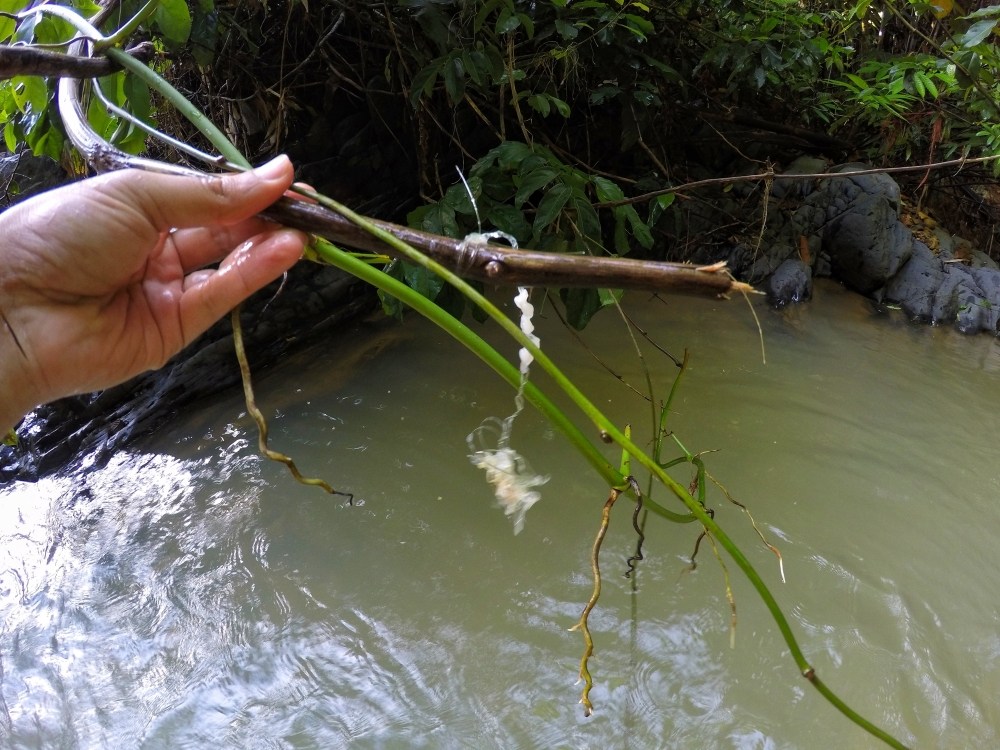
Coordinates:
(31,61)
(495,264)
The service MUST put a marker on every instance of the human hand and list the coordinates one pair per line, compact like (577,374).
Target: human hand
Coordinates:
(106,278)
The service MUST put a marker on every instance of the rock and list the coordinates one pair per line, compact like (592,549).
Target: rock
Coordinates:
(852,230)
(792,282)
(867,244)
(973,313)
(24,174)
(915,284)
(988,283)
(840,193)
(799,188)
(954,283)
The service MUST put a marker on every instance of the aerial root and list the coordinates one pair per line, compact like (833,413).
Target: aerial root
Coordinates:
(637,527)
(258,417)
(582,625)
(753,523)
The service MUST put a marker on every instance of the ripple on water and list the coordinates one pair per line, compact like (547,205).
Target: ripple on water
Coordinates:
(209,602)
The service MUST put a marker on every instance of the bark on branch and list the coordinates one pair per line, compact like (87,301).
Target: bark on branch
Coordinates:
(498,264)
(494,264)
(31,61)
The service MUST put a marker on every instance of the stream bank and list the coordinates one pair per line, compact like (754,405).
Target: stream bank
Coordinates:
(859,231)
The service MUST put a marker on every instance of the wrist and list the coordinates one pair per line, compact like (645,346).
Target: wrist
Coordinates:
(15,386)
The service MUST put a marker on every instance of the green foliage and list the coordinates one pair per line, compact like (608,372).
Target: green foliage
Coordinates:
(544,203)
(173,20)
(535,66)
(884,73)
(27,109)
(561,111)
(205,30)
(776,44)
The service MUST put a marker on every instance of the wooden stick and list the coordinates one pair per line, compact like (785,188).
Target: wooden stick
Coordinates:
(31,61)
(494,264)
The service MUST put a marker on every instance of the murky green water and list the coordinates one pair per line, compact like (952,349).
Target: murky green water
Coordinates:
(191,596)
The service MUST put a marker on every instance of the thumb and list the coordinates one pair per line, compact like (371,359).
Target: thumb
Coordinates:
(178,201)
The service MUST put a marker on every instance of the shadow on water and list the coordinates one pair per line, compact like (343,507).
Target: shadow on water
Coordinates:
(190,595)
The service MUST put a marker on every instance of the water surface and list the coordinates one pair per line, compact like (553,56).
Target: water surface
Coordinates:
(190,595)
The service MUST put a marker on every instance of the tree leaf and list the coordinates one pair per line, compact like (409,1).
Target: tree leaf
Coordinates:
(551,206)
(204,32)
(528,24)
(423,81)
(540,103)
(454,79)
(508,219)
(532,182)
(639,229)
(484,13)
(582,305)
(977,33)
(52,30)
(30,94)
(566,30)
(472,67)
(620,235)
(510,154)
(587,220)
(173,19)
(929,84)
(422,281)
(606,189)
(7,25)
(602,93)
(508,21)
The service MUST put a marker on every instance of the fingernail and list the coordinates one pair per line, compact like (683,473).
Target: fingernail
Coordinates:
(272,169)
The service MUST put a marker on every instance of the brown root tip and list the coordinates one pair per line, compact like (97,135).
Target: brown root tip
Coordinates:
(740,286)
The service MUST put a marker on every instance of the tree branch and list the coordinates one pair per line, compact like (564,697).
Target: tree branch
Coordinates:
(31,61)
(494,264)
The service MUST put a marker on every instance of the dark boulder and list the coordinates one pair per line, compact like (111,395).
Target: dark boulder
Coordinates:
(23,175)
(867,244)
(914,287)
(791,283)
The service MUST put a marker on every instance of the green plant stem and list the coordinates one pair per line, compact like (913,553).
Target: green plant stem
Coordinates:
(194,115)
(467,337)
(129,27)
(607,428)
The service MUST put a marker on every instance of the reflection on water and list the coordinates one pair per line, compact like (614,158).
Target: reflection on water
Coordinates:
(190,595)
